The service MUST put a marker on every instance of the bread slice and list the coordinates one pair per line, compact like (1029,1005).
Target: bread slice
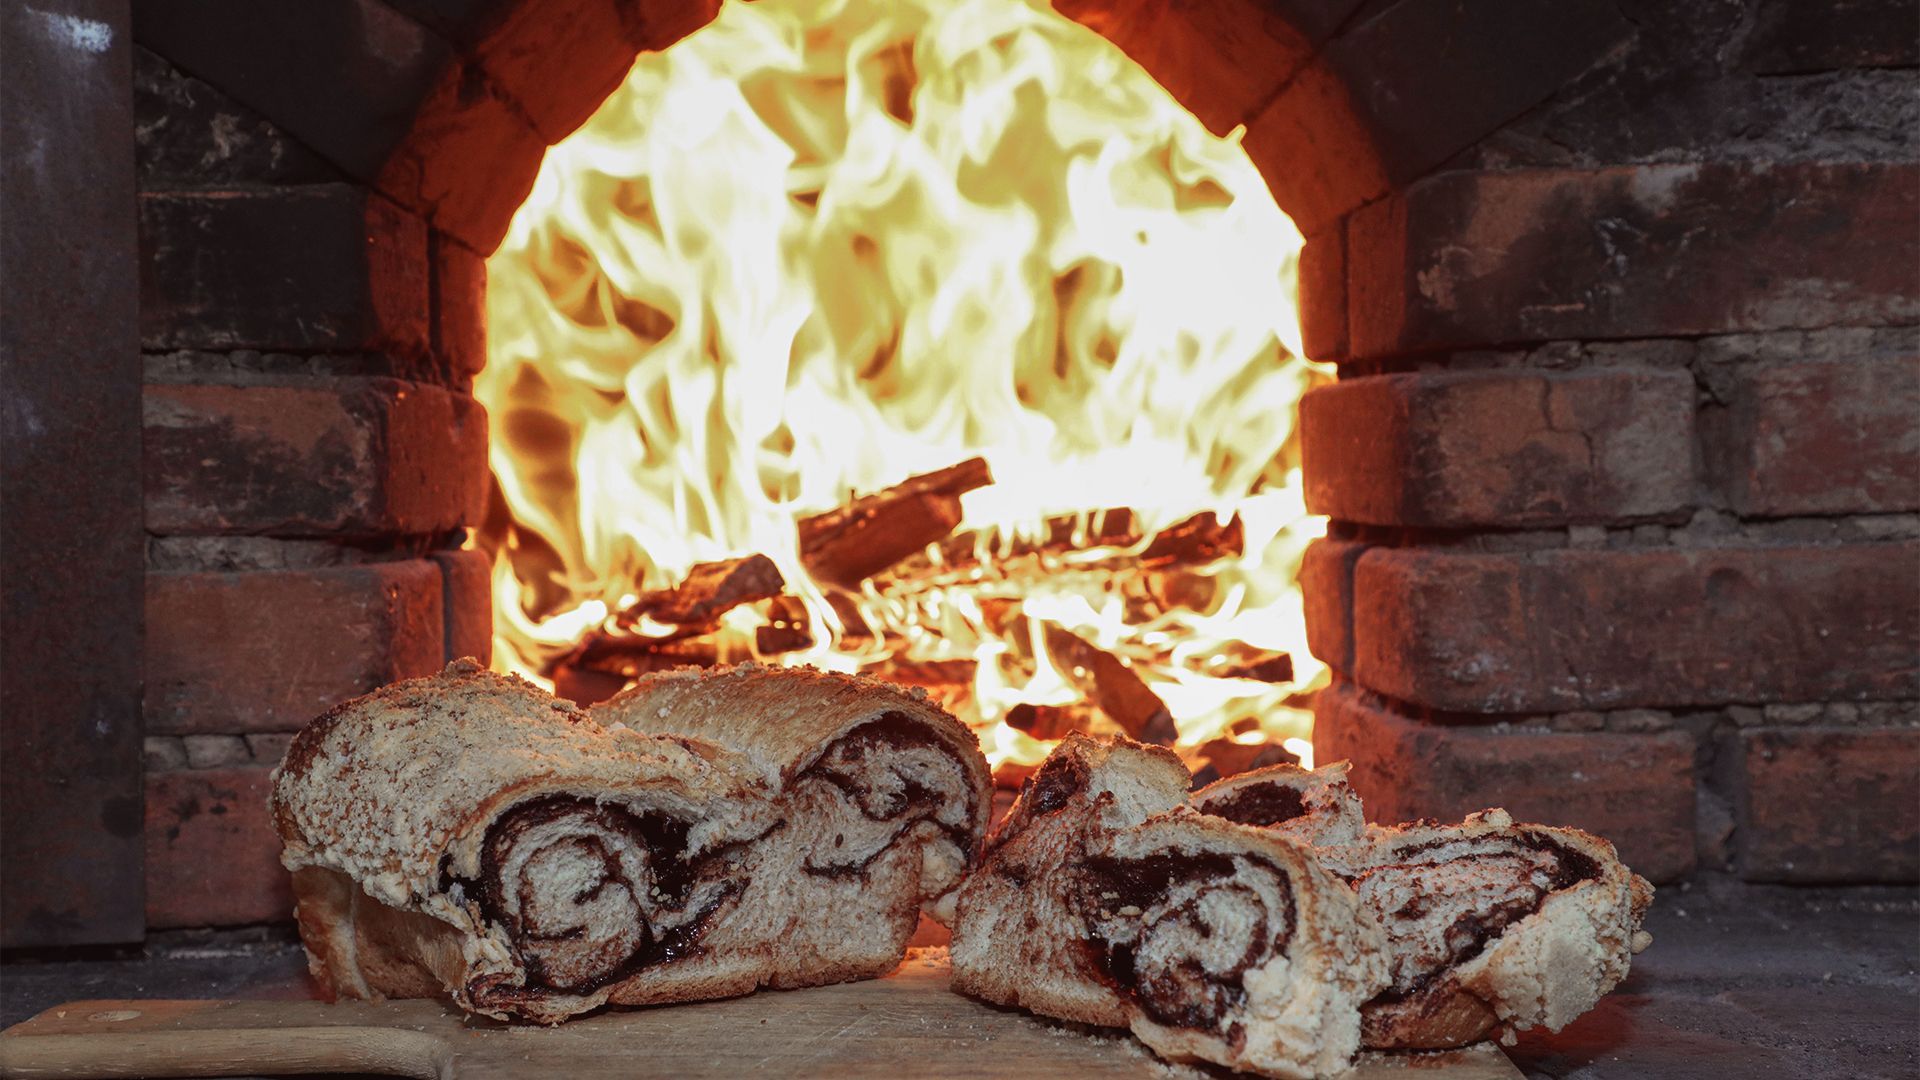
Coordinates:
(1493,926)
(1317,806)
(883,799)
(469,835)
(1105,899)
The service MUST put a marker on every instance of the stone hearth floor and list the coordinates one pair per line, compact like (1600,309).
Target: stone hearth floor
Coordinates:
(1742,980)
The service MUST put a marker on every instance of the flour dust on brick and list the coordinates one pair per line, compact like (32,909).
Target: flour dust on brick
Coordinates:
(469,836)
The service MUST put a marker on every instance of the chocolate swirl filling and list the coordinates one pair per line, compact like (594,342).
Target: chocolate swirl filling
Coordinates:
(589,893)
(1442,901)
(891,774)
(1259,804)
(1178,932)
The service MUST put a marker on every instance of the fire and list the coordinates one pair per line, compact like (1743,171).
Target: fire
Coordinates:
(819,247)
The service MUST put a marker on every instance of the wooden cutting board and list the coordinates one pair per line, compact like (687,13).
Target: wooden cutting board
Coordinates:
(906,1025)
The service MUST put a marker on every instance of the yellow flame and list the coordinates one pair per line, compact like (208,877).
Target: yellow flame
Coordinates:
(818,247)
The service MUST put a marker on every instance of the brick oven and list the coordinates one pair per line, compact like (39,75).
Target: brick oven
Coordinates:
(1622,464)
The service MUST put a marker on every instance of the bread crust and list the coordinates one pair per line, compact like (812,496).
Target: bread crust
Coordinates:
(1031,920)
(787,722)
(1542,970)
(394,810)
(1316,806)
(783,719)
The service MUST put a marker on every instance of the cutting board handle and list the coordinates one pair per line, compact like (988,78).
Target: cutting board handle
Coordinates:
(231,1052)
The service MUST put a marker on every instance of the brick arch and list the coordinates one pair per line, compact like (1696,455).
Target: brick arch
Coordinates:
(1342,102)
(1618,322)
(446,106)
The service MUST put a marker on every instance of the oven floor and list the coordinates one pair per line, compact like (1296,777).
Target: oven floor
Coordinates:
(1741,980)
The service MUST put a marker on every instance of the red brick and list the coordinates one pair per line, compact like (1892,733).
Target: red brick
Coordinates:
(317,266)
(1828,804)
(1636,790)
(660,23)
(1467,258)
(469,603)
(1323,293)
(1564,630)
(269,650)
(468,160)
(1500,448)
(559,59)
(1326,587)
(459,305)
(1828,438)
(1319,156)
(354,457)
(1222,59)
(213,857)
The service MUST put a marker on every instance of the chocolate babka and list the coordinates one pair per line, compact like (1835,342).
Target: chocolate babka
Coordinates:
(1105,899)
(1493,926)
(469,835)
(882,798)
(1317,806)
(1490,925)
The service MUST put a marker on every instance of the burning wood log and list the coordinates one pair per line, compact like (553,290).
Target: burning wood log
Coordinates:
(1103,528)
(788,627)
(1202,538)
(1247,662)
(1228,758)
(584,686)
(845,546)
(1048,723)
(709,591)
(615,655)
(932,674)
(604,665)
(949,682)
(1007,778)
(635,656)
(852,623)
(1175,587)
(1158,578)
(1110,684)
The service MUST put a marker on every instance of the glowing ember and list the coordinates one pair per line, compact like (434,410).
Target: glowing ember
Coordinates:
(817,248)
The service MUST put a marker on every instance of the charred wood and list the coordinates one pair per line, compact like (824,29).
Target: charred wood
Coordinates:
(1246,662)
(1109,683)
(709,591)
(789,628)
(1202,538)
(1229,758)
(602,667)
(1049,722)
(847,545)
(1010,776)
(932,674)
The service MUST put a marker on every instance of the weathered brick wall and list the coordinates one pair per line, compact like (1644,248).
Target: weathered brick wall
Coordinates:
(319,186)
(1621,463)
(311,459)
(1624,459)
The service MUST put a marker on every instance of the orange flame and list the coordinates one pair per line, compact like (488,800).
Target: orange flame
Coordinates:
(818,247)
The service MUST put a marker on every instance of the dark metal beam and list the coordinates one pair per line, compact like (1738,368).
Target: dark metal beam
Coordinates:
(72,564)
